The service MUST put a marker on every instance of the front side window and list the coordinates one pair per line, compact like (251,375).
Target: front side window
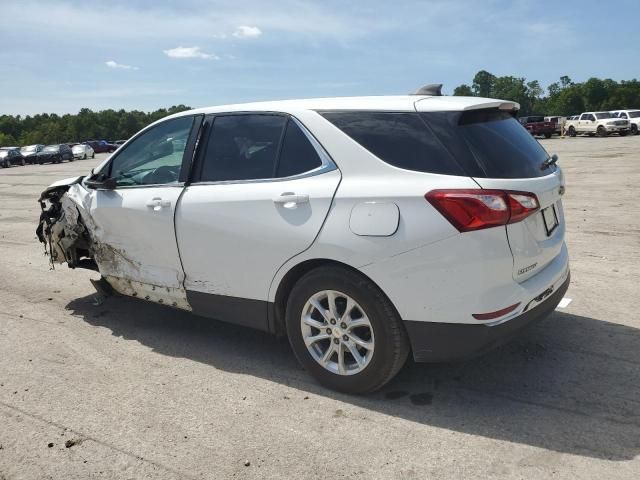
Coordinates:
(243,147)
(155,157)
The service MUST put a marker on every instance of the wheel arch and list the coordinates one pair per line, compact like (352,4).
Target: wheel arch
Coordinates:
(295,273)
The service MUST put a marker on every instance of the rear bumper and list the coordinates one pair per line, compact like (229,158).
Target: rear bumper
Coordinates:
(444,342)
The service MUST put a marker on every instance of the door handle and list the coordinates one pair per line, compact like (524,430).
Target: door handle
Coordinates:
(291,200)
(158,204)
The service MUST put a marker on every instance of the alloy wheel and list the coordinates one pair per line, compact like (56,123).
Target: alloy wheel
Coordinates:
(337,332)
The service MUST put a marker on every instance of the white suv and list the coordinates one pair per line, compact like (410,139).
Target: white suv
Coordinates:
(363,228)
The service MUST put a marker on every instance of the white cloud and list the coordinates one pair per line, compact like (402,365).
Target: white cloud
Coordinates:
(121,66)
(246,31)
(189,52)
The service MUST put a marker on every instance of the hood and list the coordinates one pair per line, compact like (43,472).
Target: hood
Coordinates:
(60,185)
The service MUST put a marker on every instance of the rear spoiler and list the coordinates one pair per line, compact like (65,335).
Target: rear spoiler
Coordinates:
(444,104)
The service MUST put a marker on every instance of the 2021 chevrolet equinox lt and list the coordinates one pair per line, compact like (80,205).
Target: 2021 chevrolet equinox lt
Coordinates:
(365,229)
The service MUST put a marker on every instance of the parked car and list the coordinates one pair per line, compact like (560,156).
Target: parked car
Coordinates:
(83,151)
(30,152)
(634,119)
(363,228)
(11,156)
(558,122)
(55,154)
(101,146)
(536,125)
(118,143)
(597,123)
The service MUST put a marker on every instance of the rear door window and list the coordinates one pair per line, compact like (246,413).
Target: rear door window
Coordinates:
(243,147)
(399,139)
(297,155)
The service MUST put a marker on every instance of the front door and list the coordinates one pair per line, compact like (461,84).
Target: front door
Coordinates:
(134,223)
(261,192)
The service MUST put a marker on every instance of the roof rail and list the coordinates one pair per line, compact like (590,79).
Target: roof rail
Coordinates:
(433,89)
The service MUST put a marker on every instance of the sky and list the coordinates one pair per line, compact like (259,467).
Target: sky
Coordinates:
(59,56)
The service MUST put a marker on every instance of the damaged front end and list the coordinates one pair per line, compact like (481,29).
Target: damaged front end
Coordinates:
(62,230)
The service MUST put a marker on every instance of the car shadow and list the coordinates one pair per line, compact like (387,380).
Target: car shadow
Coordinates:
(570,384)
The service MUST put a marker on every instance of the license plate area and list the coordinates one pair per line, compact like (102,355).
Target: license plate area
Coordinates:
(550,219)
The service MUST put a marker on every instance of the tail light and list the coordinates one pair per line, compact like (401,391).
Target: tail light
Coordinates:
(476,209)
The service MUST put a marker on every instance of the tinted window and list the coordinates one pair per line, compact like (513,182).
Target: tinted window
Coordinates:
(400,139)
(155,157)
(489,143)
(297,155)
(243,147)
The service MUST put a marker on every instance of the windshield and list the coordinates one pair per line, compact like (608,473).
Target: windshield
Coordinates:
(30,148)
(634,114)
(603,115)
(78,147)
(51,148)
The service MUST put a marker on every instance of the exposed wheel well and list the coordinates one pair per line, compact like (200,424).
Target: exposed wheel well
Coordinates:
(277,321)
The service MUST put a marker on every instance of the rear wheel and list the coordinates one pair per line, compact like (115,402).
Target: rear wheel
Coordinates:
(345,331)
(23,162)
(623,133)
(601,131)
(572,131)
(547,135)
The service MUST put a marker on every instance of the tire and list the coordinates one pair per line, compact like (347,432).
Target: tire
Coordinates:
(23,162)
(93,155)
(602,132)
(634,129)
(623,134)
(572,131)
(85,157)
(547,135)
(388,350)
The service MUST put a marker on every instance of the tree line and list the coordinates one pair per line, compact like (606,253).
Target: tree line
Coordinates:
(563,97)
(49,128)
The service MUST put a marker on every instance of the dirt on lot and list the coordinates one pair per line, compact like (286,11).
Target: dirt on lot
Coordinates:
(127,389)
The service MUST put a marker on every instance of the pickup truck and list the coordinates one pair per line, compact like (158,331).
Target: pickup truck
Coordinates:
(537,125)
(558,121)
(634,119)
(597,123)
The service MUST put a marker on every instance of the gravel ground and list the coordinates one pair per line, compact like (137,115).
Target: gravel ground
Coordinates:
(127,389)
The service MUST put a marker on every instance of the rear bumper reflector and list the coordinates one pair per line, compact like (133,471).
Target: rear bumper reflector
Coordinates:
(496,314)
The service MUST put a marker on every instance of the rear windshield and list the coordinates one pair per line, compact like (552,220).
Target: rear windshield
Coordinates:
(479,143)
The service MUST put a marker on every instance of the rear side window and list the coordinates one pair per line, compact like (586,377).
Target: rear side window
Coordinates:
(489,143)
(400,139)
(297,155)
(243,147)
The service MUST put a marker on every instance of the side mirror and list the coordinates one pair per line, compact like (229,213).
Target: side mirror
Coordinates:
(104,184)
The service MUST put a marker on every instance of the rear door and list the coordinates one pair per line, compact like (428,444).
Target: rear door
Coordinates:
(261,192)
(499,154)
